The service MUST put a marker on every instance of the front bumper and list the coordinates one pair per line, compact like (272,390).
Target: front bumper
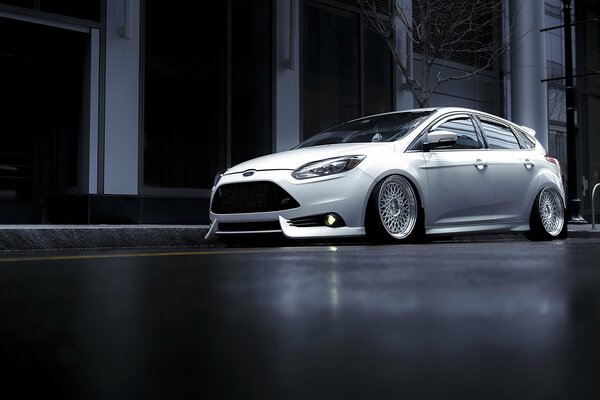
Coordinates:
(345,194)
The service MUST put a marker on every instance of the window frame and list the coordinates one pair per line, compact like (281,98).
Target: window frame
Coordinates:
(524,139)
(417,144)
(481,119)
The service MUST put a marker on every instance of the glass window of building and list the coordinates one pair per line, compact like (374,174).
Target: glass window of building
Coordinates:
(346,67)
(184,94)
(378,74)
(207,90)
(19,3)
(251,71)
(88,9)
(43,103)
(475,38)
(84,9)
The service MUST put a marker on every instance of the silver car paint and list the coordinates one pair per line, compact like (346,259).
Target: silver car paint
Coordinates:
(460,190)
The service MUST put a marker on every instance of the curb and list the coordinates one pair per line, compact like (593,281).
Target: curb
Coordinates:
(100,237)
(584,234)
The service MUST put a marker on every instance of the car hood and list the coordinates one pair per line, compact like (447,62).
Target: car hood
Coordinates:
(292,159)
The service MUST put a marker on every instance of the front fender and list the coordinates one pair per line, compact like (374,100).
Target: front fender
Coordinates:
(409,165)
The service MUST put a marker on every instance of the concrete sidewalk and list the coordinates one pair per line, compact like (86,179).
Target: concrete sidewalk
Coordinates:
(72,237)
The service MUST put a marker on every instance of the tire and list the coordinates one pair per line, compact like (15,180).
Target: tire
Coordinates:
(394,214)
(547,220)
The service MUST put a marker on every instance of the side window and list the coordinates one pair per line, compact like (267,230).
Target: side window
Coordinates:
(526,141)
(499,137)
(465,131)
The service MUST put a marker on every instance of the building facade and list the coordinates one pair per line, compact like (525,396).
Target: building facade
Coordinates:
(588,100)
(586,60)
(123,111)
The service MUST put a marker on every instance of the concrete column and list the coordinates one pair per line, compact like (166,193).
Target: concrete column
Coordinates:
(529,100)
(287,70)
(122,97)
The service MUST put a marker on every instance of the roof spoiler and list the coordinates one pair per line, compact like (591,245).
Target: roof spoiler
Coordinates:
(528,130)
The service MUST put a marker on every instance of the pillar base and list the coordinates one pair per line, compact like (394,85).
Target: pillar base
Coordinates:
(574,213)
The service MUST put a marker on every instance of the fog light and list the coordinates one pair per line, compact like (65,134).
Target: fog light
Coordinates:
(330,220)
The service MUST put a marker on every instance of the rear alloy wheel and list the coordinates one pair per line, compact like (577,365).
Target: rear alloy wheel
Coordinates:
(547,219)
(396,209)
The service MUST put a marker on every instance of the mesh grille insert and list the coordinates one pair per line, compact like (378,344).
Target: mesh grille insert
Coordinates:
(251,197)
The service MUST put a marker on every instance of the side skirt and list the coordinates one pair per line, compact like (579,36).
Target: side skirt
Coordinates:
(519,226)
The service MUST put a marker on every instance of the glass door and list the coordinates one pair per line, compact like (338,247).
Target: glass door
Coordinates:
(19,133)
(42,122)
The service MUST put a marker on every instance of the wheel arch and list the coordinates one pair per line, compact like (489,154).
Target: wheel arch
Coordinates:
(411,180)
(546,179)
(537,230)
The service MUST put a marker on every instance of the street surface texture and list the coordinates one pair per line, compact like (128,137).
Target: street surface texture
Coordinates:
(491,319)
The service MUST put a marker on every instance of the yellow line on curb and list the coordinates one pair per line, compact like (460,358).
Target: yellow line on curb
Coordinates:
(130,255)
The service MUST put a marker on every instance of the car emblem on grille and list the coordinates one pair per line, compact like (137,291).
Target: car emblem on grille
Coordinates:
(248,173)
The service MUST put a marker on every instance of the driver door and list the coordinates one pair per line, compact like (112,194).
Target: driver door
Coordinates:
(459,189)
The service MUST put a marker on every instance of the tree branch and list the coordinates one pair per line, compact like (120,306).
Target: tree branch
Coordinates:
(440,29)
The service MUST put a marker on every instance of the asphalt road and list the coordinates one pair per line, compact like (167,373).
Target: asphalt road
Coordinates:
(505,319)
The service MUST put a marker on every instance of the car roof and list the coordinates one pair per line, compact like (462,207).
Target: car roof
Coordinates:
(448,110)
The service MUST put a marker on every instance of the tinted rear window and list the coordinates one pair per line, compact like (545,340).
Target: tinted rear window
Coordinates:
(499,136)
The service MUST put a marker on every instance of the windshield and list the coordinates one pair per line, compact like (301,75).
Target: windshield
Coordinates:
(381,128)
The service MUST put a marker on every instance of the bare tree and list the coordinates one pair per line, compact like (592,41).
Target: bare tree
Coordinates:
(469,31)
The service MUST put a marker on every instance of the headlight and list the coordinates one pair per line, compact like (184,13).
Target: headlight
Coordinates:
(218,176)
(329,166)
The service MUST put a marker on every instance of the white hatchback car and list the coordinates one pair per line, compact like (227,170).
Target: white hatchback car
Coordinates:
(398,176)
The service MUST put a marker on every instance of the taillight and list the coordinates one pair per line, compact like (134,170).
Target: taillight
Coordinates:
(553,161)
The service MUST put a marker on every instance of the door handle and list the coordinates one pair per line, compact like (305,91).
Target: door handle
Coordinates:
(528,163)
(480,164)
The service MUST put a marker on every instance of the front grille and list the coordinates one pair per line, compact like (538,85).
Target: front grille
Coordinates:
(251,197)
(249,226)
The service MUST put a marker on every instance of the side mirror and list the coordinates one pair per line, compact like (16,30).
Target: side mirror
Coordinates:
(437,139)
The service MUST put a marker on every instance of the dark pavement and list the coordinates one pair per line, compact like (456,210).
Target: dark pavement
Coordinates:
(497,319)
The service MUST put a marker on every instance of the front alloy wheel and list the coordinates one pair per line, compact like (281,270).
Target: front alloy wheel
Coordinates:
(396,207)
